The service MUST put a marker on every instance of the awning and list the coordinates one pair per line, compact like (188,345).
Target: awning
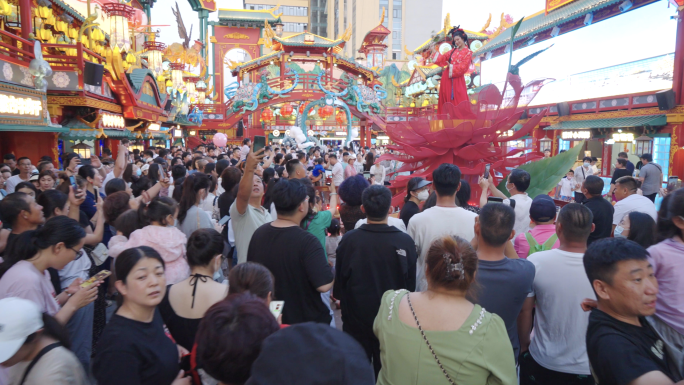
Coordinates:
(91,134)
(631,121)
(31,128)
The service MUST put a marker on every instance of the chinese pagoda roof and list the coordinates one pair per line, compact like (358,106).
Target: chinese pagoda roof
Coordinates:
(440,37)
(376,35)
(307,39)
(540,22)
(248,15)
(256,62)
(629,121)
(359,67)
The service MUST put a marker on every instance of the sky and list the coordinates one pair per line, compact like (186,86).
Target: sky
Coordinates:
(162,14)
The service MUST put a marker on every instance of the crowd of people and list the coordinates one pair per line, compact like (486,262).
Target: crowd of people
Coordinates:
(226,266)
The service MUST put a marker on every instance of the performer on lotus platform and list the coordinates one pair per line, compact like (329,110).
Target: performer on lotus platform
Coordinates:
(452,87)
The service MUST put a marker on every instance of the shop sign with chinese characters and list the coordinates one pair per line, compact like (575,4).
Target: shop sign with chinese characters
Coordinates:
(20,105)
(112,121)
(623,137)
(575,135)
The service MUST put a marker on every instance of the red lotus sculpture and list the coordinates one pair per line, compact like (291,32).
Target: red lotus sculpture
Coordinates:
(469,135)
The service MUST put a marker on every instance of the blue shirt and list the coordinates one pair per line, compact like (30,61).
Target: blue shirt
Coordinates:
(88,207)
(317,170)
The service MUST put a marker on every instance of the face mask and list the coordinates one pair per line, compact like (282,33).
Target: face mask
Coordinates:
(423,195)
(587,164)
(618,232)
(138,172)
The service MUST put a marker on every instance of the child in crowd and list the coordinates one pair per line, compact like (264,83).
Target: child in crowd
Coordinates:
(332,240)
(567,186)
(318,168)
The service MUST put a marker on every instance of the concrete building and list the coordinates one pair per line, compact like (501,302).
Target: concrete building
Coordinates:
(295,13)
(410,21)
(422,18)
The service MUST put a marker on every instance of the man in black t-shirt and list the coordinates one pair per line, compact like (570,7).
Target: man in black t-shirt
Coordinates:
(623,348)
(294,256)
(600,208)
(371,260)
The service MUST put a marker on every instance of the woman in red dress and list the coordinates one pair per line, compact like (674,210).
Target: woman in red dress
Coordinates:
(452,87)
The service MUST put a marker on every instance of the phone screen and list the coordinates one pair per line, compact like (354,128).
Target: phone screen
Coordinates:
(72,180)
(224,220)
(97,277)
(259,142)
(486,172)
(276,308)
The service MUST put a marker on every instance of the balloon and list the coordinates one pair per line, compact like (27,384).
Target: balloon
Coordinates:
(220,139)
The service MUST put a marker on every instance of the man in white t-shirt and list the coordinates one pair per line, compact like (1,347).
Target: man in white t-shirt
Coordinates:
(244,150)
(24,166)
(629,200)
(557,350)
(246,213)
(517,183)
(337,170)
(444,219)
(581,174)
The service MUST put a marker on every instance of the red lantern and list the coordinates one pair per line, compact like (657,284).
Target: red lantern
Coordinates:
(286,109)
(341,117)
(326,111)
(267,115)
(301,108)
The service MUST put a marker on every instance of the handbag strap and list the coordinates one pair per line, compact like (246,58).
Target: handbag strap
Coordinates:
(408,298)
(35,359)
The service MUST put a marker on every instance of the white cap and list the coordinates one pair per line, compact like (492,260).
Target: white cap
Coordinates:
(19,318)
(145,167)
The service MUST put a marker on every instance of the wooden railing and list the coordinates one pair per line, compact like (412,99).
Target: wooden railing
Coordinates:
(13,53)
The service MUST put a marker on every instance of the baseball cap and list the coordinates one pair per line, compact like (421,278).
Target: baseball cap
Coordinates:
(19,318)
(543,208)
(311,353)
(145,167)
(34,176)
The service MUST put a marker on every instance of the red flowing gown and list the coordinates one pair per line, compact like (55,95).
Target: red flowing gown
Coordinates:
(452,88)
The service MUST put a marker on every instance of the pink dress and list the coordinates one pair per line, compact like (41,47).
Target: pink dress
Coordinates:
(349,171)
(169,242)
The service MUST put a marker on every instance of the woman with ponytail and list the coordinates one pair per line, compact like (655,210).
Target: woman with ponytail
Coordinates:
(37,338)
(158,232)
(23,272)
(191,217)
(186,302)
(417,191)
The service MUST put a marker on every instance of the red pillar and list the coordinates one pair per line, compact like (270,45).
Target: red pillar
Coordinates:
(26,19)
(362,135)
(606,157)
(677,151)
(678,74)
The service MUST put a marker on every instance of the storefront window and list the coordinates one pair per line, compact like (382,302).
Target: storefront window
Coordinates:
(661,154)
(563,145)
